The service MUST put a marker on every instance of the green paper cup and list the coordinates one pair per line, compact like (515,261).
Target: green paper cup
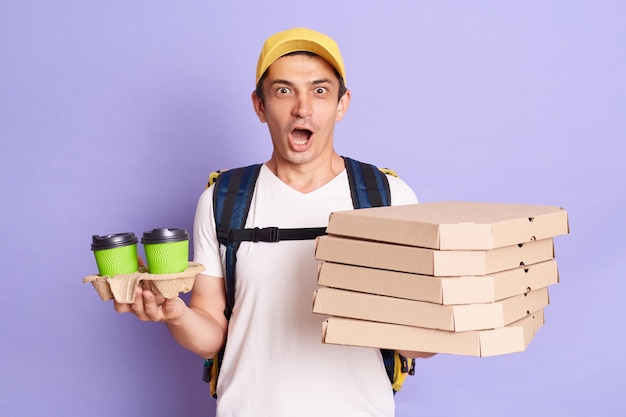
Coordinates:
(167,250)
(115,254)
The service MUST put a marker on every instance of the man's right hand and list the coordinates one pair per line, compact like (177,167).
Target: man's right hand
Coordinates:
(200,328)
(151,307)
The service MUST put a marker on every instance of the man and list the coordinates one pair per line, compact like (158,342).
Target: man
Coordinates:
(274,363)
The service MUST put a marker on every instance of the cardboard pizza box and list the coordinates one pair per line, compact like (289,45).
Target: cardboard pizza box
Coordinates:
(510,339)
(455,318)
(440,290)
(452,225)
(395,257)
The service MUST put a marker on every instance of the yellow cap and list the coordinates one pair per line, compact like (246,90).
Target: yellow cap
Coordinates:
(299,39)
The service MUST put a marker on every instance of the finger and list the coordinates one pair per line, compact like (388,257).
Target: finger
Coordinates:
(159,299)
(150,306)
(121,307)
(140,261)
(137,306)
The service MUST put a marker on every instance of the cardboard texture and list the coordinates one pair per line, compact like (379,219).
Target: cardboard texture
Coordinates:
(510,339)
(452,225)
(431,261)
(457,318)
(440,290)
(122,287)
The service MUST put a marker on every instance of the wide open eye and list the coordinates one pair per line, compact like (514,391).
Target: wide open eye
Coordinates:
(283,90)
(320,90)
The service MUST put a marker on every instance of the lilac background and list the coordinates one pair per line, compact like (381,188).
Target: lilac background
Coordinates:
(113,113)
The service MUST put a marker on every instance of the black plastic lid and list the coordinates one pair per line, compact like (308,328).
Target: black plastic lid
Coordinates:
(164,235)
(113,241)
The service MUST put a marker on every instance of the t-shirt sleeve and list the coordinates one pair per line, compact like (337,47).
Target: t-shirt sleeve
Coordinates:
(401,193)
(206,248)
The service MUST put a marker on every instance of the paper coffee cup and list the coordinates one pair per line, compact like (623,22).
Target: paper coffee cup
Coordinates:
(115,254)
(167,250)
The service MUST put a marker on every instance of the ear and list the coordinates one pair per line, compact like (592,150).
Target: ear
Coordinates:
(342,106)
(259,107)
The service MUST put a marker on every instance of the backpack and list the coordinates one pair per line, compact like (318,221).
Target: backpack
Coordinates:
(232,196)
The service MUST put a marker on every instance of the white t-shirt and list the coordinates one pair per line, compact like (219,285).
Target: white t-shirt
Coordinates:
(275,364)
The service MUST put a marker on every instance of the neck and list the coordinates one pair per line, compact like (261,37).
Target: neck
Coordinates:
(307,177)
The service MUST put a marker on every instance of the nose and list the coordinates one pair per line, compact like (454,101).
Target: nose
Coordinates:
(303,106)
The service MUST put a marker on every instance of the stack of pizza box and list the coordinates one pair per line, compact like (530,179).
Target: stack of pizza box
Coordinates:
(462,278)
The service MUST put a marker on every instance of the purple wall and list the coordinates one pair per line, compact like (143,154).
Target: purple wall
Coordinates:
(113,113)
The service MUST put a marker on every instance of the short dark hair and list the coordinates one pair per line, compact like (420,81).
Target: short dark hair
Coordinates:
(259,87)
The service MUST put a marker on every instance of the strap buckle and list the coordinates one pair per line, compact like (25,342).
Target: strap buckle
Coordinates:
(267,234)
(224,236)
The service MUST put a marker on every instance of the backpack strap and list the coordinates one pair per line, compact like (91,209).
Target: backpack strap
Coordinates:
(269,234)
(231,202)
(369,186)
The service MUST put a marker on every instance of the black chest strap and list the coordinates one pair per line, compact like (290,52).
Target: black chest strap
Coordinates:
(369,187)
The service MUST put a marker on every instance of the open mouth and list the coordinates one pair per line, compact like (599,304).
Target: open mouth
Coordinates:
(301,136)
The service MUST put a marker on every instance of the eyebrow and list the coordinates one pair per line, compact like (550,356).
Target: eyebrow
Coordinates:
(314,82)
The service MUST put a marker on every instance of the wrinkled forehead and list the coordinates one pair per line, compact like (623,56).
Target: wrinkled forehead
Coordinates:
(295,64)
